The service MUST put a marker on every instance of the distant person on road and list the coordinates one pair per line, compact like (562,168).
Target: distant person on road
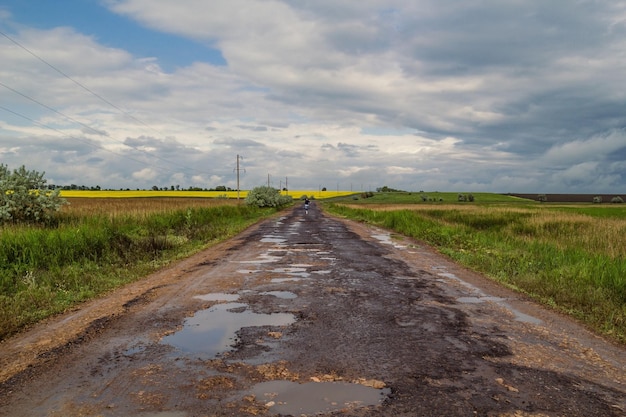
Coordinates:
(306,205)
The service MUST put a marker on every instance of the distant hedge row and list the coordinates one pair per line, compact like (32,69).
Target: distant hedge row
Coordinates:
(572,198)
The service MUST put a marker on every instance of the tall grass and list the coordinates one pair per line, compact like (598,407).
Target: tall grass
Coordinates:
(92,247)
(571,260)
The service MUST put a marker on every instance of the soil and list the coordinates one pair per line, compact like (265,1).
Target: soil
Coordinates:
(307,314)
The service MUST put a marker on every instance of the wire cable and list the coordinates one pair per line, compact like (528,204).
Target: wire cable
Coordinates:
(78,83)
(94,145)
(98,132)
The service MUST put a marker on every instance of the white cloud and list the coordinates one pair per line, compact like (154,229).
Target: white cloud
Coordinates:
(145,174)
(489,95)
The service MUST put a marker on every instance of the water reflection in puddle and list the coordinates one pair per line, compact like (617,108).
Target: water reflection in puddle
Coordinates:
(218,296)
(273,239)
(292,272)
(481,297)
(287,295)
(264,258)
(212,331)
(386,239)
(291,398)
(281,280)
(477,300)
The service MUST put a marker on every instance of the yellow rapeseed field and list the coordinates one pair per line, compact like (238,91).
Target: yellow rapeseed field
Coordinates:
(193,194)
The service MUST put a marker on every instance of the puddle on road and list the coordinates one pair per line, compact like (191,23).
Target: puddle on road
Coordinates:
(264,258)
(213,331)
(481,297)
(386,239)
(292,272)
(281,280)
(292,398)
(286,295)
(273,239)
(477,300)
(218,296)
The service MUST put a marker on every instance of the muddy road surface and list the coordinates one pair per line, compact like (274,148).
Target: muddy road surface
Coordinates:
(305,314)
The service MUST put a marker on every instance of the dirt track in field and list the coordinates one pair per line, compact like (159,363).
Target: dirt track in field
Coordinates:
(307,314)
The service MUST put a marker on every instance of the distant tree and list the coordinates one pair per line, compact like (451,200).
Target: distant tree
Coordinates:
(155,188)
(267,197)
(24,196)
(324,189)
(542,198)
(385,189)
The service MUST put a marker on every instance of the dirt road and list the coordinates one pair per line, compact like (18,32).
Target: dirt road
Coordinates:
(306,314)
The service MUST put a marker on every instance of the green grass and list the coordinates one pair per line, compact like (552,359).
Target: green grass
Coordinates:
(572,259)
(46,270)
(433,198)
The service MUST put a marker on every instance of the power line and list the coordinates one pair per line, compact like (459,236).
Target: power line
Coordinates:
(94,130)
(185,168)
(97,146)
(78,83)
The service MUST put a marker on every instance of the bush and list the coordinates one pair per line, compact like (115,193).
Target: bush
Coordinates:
(24,197)
(265,196)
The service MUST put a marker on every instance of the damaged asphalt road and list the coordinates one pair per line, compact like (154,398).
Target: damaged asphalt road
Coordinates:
(311,315)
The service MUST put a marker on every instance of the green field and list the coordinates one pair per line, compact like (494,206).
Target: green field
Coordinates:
(571,257)
(95,245)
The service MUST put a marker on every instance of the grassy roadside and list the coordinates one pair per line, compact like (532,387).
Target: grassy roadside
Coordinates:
(569,258)
(92,249)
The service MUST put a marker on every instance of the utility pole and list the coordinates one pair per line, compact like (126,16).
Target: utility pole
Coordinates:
(237,170)
(286,186)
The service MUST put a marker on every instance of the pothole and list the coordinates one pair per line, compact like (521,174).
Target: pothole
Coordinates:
(218,296)
(286,295)
(213,331)
(273,239)
(292,271)
(292,398)
(481,297)
(477,300)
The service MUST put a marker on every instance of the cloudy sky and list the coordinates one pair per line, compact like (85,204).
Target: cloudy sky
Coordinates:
(435,95)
